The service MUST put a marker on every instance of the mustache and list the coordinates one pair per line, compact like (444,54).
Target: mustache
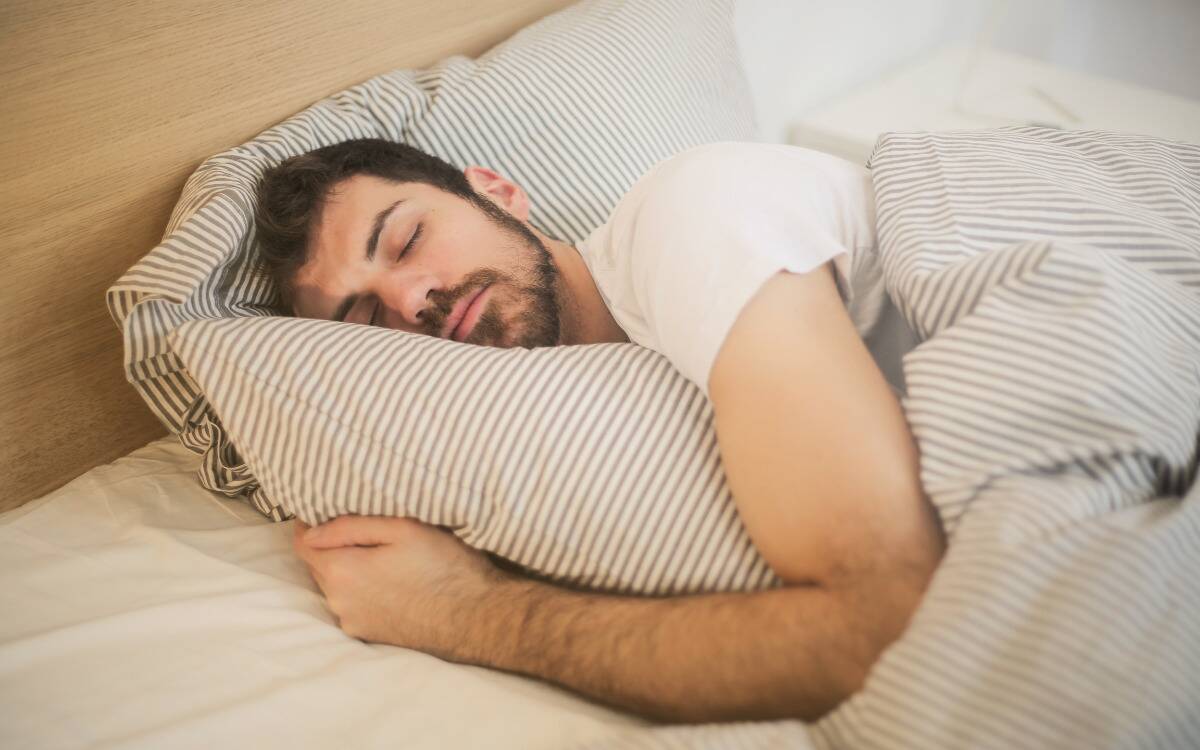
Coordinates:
(542,281)
(443,302)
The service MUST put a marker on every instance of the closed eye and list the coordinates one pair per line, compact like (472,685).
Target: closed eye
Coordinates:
(412,241)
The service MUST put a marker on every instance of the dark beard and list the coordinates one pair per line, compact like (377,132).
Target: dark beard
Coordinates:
(540,323)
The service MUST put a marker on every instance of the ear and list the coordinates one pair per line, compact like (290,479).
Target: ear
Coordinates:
(504,193)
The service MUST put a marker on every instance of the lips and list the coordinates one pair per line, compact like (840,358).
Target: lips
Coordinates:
(460,327)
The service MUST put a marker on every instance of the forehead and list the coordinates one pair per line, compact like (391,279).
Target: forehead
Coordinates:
(347,216)
(337,245)
(351,205)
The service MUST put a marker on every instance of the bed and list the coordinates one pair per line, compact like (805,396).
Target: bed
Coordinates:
(144,609)
(113,551)
(141,610)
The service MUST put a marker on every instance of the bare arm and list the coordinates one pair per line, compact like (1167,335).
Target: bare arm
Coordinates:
(825,475)
(816,448)
(822,469)
(772,654)
(788,652)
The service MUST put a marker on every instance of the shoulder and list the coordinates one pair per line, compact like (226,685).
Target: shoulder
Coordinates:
(706,164)
(722,181)
(718,182)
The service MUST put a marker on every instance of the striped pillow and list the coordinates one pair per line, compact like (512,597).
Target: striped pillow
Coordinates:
(595,465)
(574,109)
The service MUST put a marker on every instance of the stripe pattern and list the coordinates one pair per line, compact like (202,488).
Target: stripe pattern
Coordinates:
(1054,279)
(573,108)
(596,466)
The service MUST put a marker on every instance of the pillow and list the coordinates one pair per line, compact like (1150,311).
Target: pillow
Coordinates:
(574,109)
(593,465)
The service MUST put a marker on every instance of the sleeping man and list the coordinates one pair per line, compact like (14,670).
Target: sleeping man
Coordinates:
(733,260)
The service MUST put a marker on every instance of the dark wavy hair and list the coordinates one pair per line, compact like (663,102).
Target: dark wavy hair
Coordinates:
(291,196)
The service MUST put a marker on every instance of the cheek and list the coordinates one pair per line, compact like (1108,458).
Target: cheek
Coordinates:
(505,303)
(511,306)
(478,243)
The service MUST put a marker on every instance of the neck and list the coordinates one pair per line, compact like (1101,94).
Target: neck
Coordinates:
(585,318)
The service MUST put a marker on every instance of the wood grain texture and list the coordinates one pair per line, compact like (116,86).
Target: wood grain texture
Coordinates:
(108,106)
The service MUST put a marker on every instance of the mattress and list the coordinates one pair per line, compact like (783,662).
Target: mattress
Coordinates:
(141,610)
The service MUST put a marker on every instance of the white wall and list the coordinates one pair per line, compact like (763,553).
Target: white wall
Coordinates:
(801,53)
(1151,43)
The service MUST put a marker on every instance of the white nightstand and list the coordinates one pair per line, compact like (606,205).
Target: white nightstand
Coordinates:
(963,87)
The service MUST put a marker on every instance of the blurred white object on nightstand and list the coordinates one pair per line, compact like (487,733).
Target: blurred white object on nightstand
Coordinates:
(968,87)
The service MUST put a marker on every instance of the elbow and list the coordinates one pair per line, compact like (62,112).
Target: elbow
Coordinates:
(879,601)
(875,614)
(881,604)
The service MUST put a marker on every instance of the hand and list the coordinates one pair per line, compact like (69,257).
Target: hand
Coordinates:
(399,581)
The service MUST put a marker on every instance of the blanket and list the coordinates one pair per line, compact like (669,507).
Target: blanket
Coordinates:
(1053,279)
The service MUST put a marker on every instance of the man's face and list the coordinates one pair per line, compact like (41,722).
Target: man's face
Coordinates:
(438,265)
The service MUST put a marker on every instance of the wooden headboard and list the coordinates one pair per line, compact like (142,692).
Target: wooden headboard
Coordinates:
(108,106)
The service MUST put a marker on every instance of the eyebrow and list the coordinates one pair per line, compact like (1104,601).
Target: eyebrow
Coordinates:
(343,309)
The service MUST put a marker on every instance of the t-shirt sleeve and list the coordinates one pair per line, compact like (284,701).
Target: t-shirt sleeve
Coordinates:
(709,234)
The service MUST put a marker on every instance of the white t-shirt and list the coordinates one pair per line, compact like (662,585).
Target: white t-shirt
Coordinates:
(699,234)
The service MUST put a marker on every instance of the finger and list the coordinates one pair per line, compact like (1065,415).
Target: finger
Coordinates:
(320,579)
(351,530)
(298,535)
(311,564)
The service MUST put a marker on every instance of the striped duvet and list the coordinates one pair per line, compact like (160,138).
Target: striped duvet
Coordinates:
(1054,278)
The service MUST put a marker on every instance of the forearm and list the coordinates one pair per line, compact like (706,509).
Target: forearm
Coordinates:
(793,652)
(787,652)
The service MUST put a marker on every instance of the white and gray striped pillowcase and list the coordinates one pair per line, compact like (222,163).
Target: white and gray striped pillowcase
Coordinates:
(574,108)
(1056,402)
(591,465)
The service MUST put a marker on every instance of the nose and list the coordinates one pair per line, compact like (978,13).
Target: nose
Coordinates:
(406,302)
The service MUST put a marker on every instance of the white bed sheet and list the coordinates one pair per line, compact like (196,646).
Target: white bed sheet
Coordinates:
(140,610)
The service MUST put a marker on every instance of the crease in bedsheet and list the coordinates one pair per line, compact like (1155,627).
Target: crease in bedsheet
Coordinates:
(1136,400)
(1039,560)
(1065,612)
